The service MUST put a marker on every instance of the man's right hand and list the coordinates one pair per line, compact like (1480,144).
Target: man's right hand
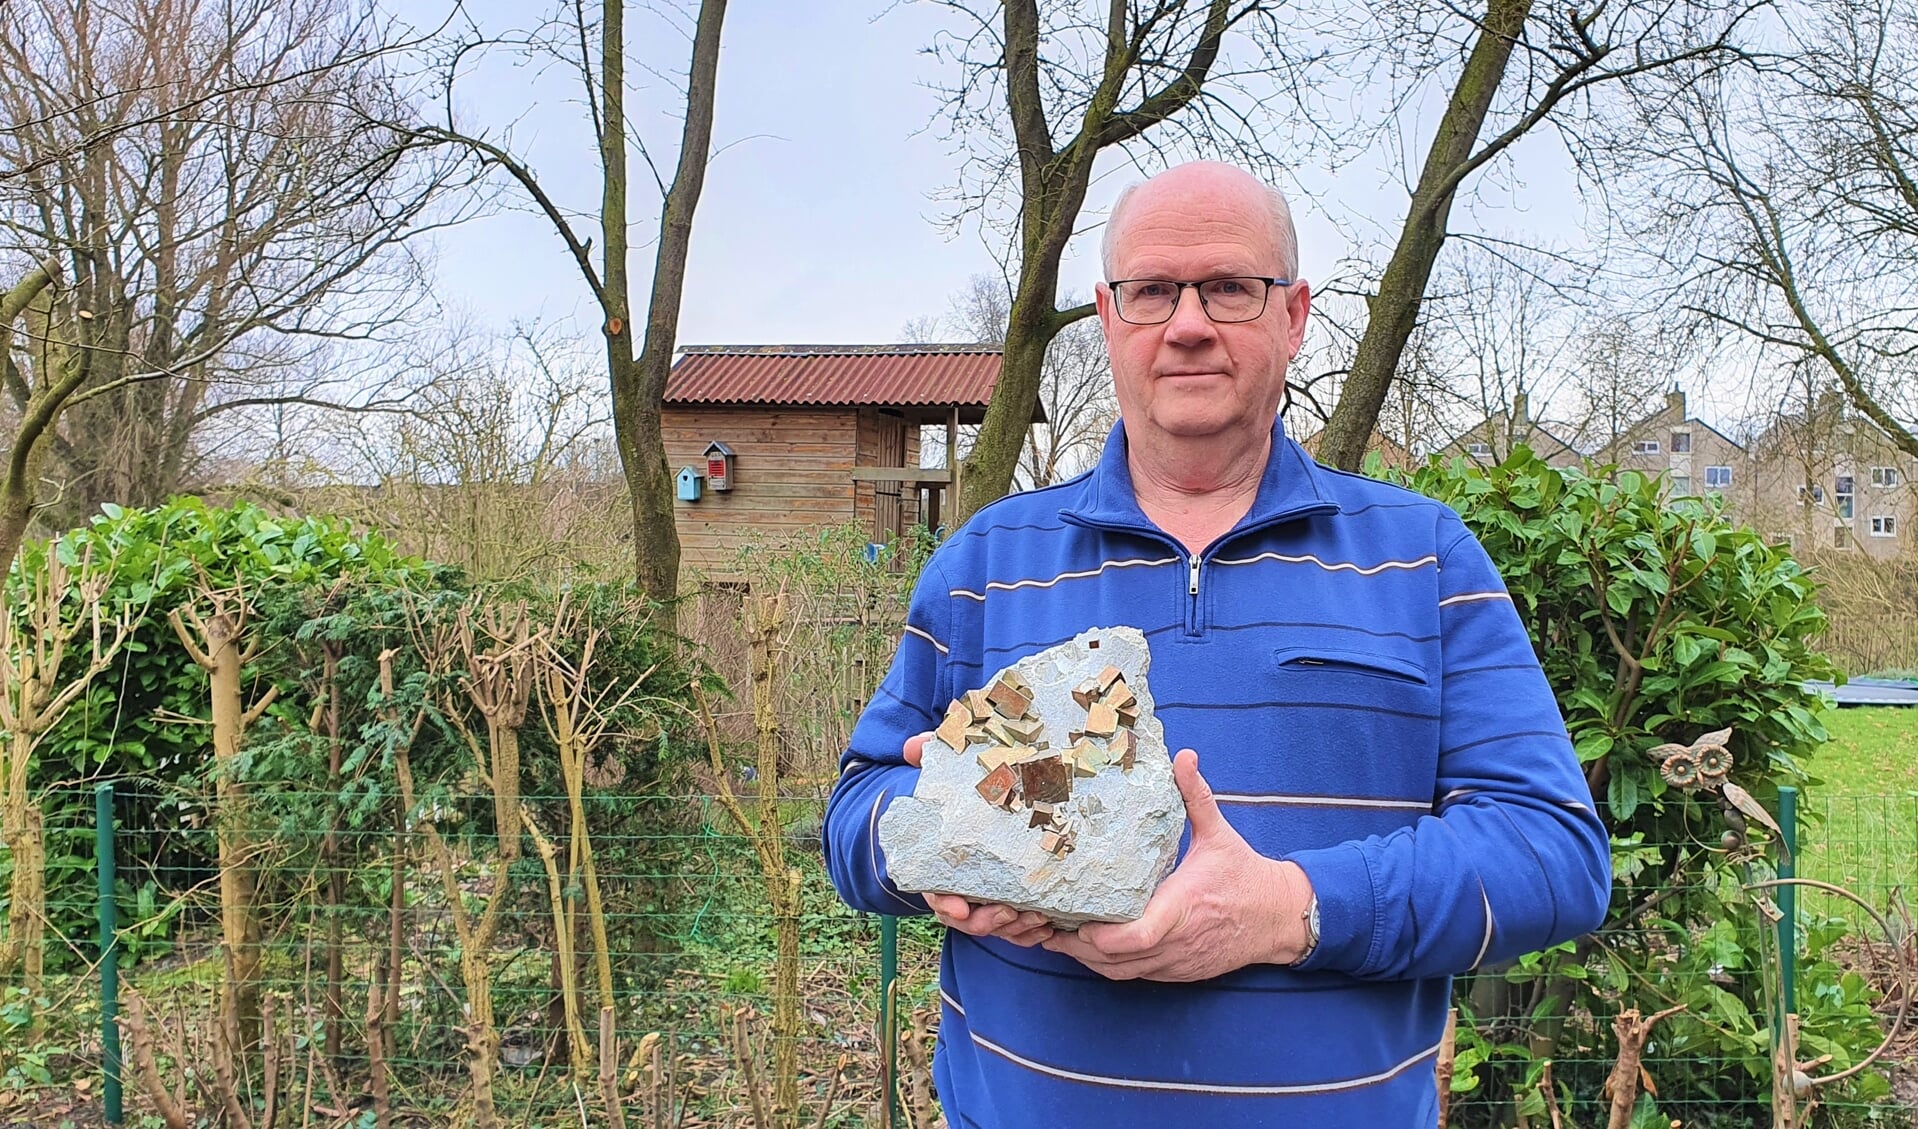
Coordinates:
(975,918)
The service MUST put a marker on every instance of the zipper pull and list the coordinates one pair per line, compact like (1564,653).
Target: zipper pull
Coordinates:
(1194,589)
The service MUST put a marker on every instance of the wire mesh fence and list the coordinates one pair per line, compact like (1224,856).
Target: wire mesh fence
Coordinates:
(365,1008)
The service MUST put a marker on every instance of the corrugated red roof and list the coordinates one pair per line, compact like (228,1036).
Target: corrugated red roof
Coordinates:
(878,375)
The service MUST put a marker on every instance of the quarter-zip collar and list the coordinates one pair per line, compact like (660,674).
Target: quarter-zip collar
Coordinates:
(1291,486)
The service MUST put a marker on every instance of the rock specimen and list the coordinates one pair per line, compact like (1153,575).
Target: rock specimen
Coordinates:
(1049,788)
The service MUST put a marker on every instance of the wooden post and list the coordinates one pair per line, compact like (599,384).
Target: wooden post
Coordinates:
(953,496)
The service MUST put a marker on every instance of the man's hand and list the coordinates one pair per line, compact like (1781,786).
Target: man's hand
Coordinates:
(980,920)
(1225,907)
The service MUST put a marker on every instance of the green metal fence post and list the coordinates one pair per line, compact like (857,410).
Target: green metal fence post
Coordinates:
(889,1012)
(109,954)
(1788,899)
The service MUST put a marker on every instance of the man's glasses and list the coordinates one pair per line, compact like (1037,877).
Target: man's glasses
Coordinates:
(1150,301)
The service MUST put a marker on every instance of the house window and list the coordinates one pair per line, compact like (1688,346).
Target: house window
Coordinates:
(1884,476)
(1682,485)
(1681,442)
(1815,493)
(1645,447)
(1483,450)
(1842,494)
(1882,526)
(1718,477)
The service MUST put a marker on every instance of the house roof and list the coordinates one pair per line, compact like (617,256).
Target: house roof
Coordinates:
(1501,422)
(889,376)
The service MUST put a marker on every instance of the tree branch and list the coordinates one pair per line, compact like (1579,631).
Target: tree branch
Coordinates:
(493,154)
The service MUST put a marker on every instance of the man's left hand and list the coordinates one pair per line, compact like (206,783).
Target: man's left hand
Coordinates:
(1226,906)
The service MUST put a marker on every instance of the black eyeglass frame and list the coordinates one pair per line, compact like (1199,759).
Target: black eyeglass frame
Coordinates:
(1265,299)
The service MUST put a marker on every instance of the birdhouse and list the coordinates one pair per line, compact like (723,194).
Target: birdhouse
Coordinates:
(690,484)
(719,466)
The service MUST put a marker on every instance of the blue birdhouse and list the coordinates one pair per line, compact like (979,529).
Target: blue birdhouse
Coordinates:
(691,485)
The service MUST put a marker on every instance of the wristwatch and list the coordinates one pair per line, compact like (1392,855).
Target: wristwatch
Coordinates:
(1311,918)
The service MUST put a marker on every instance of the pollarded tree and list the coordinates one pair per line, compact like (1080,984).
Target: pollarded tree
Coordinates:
(57,634)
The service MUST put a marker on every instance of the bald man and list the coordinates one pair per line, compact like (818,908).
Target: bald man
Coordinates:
(1379,787)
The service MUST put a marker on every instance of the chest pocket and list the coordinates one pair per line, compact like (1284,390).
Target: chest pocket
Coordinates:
(1352,682)
(1336,661)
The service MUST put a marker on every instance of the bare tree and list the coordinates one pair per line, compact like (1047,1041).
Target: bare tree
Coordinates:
(1072,88)
(505,466)
(1500,321)
(201,189)
(1520,65)
(1076,391)
(1790,192)
(637,378)
(1620,373)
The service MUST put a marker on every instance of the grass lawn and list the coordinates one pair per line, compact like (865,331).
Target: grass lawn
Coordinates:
(1862,827)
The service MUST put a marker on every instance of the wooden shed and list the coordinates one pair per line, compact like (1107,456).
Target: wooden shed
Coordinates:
(812,435)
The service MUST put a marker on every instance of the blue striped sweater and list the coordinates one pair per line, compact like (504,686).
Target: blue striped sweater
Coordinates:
(1365,703)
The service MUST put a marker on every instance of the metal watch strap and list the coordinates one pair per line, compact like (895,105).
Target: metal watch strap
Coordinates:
(1311,918)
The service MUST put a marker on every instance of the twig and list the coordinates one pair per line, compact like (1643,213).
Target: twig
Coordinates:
(376,1042)
(832,1091)
(140,1038)
(743,1055)
(1550,1092)
(1447,1057)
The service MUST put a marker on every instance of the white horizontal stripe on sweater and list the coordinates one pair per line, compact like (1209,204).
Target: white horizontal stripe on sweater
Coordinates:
(1203,1088)
(927,636)
(1473,597)
(1007,586)
(1331,566)
(1319,801)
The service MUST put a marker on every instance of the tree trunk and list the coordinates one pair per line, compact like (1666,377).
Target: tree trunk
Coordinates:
(26,935)
(639,384)
(239,928)
(1394,310)
(502,740)
(42,410)
(782,882)
(990,466)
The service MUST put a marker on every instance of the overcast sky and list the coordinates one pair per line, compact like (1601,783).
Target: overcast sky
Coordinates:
(821,218)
